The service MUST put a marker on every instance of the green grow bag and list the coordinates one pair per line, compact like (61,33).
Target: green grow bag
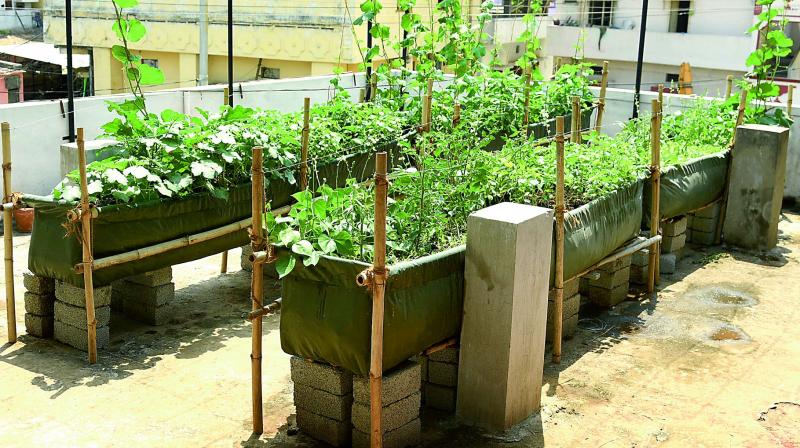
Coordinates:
(688,186)
(595,230)
(542,130)
(325,316)
(126,227)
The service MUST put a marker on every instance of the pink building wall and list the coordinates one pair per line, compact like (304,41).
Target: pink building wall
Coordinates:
(4,89)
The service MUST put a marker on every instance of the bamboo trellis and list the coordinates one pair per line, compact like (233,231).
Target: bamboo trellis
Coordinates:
(8,242)
(601,102)
(655,201)
(558,308)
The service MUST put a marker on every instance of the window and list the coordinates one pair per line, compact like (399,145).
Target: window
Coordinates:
(600,12)
(672,78)
(270,73)
(679,16)
(151,62)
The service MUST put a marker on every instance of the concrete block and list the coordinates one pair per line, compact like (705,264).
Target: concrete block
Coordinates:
(153,278)
(439,397)
(393,416)
(38,285)
(39,326)
(502,344)
(667,263)
(639,275)
(442,373)
(153,296)
(641,258)
(569,326)
(75,296)
(570,306)
(328,430)
(39,304)
(611,280)
(78,337)
(674,227)
(609,297)
(76,316)
(704,225)
(571,288)
(671,244)
(755,195)
(321,376)
(148,313)
(398,383)
(449,355)
(323,403)
(405,436)
(616,265)
(703,238)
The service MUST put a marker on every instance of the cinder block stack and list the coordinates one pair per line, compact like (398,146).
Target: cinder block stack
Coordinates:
(440,380)
(640,264)
(146,297)
(571,306)
(673,240)
(323,398)
(39,302)
(245,262)
(612,285)
(702,225)
(401,407)
(70,326)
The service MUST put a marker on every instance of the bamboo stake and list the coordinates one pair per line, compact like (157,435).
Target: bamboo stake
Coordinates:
(655,214)
(426,113)
(527,116)
(8,236)
(258,242)
(558,310)
(378,288)
(789,101)
(723,211)
(575,132)
(223,268)
(661,98)
(304,143)
(86,232)
(728,86)
(456,114)
(373,86)
(601,103)
(227,94)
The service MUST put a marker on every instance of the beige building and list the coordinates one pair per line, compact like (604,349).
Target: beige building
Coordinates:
(272,39)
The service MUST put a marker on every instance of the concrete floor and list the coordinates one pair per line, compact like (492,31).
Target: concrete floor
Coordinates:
(713,361)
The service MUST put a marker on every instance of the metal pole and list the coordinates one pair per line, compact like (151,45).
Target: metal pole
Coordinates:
(70,75)
(369,63)
(640,60)
(230,53)
(203,63)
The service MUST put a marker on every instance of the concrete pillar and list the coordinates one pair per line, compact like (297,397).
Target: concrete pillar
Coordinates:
(755,193)
(505,314)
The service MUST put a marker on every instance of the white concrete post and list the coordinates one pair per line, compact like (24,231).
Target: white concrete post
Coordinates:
(505,314)
(755,192)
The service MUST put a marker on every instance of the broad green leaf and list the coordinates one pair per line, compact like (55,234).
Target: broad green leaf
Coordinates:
(302,247)
(288,236)
(285,264)
(126,3)
(136,30)
(150,76)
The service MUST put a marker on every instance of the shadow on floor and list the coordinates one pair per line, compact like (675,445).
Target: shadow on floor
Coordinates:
(206,314)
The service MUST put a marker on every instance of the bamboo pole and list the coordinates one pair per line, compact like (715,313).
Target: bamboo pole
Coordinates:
(790,101)
(575,132)
(428,103)
(258,242)
(86,240)
(8,235)
(304,143)
(655,214)
(527,116)
(378,287)
(373,86)
(227,94)
(223,268)
(601,103)
(661,98)
(724,206)
(728,86)
(558,310)
(456,114)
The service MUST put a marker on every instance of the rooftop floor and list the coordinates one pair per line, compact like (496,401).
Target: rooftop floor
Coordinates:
(712,361)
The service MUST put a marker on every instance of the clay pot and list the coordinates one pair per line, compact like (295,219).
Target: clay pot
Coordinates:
(24,219)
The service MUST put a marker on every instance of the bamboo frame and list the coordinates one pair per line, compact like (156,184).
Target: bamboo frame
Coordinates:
(378,284)
(373,86)
(86,244)
(223,268)
(601,102)
(728,86)
(456,114)
(427,104)
(558,308)
(227,94)
(575,131)
(527,116)
(790,101)
(655,212)
(740,115)
(723,211)
(259,240)
(304,143)
(625,250)
(8,235)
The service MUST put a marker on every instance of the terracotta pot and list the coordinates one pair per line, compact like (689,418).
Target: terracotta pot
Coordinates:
(24,219)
